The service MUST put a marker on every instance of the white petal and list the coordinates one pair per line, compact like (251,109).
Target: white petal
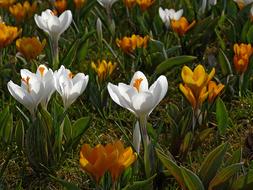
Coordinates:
(26,73)
(41,23)
(21,95)
(178,14)
(117,98)
(144,82)
(65,20)
(162,90)
(54,26)
(143,102)
(162,14)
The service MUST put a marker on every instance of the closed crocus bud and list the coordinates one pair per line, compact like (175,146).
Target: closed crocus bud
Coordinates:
(242,53)
(29,93)
(70,87)
(145,4)
(138,97)
(99,29)
(214,90)
(30,48)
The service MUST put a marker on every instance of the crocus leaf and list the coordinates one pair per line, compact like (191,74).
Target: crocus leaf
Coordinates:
(191,180)
(221,116)
(20,134)
(212,163)
(224,63)
(140,185)
(250,35)
(236,157)
(173,62)
(71,55)
(244,182)
(78,128)
(172,167)
(224,175)
(67,185)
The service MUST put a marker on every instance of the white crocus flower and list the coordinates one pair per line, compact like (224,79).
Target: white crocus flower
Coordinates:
(167,15)
(138,97)
(47,78)
(29,93)
(207,4)
(107,4)
(69,87)
(53,25)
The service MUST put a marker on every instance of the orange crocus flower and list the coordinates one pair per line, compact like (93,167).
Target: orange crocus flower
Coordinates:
(181,26)
(8,34)
(214,90)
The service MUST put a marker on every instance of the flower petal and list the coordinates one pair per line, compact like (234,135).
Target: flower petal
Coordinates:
(144,83)
(143,103)
(65,20)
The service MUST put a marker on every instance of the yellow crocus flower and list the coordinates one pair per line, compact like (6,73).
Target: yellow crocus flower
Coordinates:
(30,47)
(79,3)
(94,160)
(20,12)
(181,26)
(145,4)
(8,34)
(121,158)
(214,90)
(103,69)
(241,58)
(6,3)
(195,84)
(129,44)
(61,5)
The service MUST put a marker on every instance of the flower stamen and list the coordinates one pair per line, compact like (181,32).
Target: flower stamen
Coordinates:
(41,70)
(26,81)
(137,84)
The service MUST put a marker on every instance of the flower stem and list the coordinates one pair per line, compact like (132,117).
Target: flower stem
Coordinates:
(240,84)
(146,145)
(55,52)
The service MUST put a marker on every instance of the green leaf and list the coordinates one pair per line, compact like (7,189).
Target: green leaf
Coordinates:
(172,167)
(140,185)
(67,129)
(250,35)
(224,63)
(244,182)
(173,62)
(78,129)
(191,180)
(212,163)
(71,55)
(186,143)
(20,134)
(221,116)
(236,157)
(67,185)
(245,30)
(224,175)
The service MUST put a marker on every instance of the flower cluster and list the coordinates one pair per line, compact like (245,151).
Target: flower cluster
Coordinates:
(103,69)
(38,87)
(22,11)
(175,20)
(8,34)
(30,48)
(241,57)
(112,157)
(198,86)
(129,44)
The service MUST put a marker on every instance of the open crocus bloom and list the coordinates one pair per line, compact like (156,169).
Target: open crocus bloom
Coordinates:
(137,97)
(52,24)
(29,93)
(69,87)
(167,15)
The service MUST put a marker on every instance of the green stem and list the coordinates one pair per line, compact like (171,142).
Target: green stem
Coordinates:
(146,145)
(240,84)
(55,52)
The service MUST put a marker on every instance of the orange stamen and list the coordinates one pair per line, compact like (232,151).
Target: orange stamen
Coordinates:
(41,70)
(26,81)
(137,84)
(70,75)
